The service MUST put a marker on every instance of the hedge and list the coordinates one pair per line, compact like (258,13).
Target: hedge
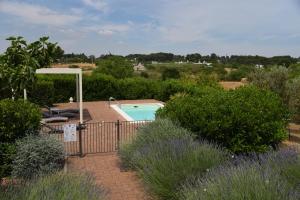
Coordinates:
(56,88)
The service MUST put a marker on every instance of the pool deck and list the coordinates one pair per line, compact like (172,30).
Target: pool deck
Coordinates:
(99,111)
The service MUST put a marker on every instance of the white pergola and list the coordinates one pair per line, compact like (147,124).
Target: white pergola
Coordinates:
(78,74)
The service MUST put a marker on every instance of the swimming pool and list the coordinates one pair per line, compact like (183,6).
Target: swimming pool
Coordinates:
(138,112)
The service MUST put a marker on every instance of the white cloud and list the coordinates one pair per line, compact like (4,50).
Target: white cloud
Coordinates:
(185,21)
(109,29)
(36,14)
(96,4)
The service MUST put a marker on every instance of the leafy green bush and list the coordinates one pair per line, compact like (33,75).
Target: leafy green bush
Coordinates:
(263,178)
(18,118)
(165,155)
(274,79)
(56,186)
(37,155)
(243,120)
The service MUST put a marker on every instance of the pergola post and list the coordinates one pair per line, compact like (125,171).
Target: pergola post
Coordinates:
(80,98)
(77,90)
(25,94)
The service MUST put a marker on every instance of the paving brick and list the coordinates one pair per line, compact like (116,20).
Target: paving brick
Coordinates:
(105,167)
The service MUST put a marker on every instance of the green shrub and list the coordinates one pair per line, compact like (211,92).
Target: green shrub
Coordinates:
(18,118)
(57,186)
(275,79)
(243,120)
(246,181)
(37,155)
(160,129)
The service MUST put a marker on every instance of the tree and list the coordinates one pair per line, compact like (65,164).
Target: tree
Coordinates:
(116,66)
(20,60)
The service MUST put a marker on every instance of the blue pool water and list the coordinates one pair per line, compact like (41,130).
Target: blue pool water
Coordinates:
(140,111)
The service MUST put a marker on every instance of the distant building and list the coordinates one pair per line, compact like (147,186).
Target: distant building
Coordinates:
(207,63)
(139,67)
(203,63)
(259,66)
(154,62)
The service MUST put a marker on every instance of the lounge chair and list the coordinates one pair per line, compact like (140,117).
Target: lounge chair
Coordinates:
(49,115)
(54,119)
(59,111)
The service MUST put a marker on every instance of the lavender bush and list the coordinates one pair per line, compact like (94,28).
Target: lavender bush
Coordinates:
(56,186)
(271,176)
(160,129)
(164,165)
(37,155)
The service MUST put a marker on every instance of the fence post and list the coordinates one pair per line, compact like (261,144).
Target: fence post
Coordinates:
(80,140)
(118,134)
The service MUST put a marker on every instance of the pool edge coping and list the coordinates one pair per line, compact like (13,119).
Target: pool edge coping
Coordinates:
(125,115)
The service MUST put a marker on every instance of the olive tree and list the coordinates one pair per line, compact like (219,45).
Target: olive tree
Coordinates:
(20,61)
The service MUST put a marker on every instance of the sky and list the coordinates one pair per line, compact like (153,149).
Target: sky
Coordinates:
(95,27)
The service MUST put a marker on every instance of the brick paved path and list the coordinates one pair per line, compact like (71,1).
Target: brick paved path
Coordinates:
(105,167)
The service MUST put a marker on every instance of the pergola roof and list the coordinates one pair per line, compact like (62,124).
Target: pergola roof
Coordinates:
(59,71)
(78,73)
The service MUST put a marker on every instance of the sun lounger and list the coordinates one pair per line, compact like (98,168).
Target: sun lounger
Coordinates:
(55,119)
(68,110)
(49,115)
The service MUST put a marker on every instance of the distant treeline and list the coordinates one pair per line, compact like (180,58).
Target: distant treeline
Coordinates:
(195,57)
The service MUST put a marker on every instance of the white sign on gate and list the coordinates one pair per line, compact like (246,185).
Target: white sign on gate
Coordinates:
(69,132)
